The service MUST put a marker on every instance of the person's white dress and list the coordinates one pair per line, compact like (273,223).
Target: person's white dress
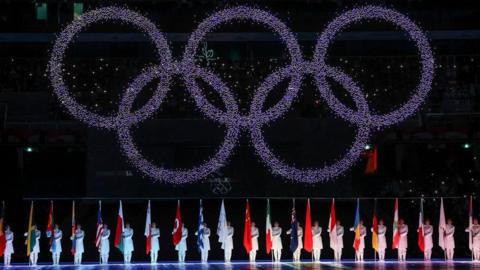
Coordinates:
(361,247)
(338,245)
(403,243)
(105,246)
(127,235)
(277,243)
(475,230)
(298,250)
(79,249)
(428,241)
(206,244)
(7,253)
(57,238)
(36,248)
(181,247)
(317,242)
(253,252)
(228,245)
(382,241)
(449,240)
(155,245)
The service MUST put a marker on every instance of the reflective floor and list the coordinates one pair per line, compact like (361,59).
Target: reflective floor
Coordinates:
(326,265)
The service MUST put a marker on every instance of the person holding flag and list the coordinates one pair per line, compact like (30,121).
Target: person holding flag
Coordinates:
(56,246)
(8,246)
(449,231)
(155,244)
(441,228)
(360,233)
(127,238)
(402,240)
(317,241)
(296,237)
(203,238)
(228,245)
(380,243)
(77,239)
(420,231)
(180,234)
(277,245)
(104,244)
(33,243)
(335,231)
(427,239)
(474,231)
(254,236)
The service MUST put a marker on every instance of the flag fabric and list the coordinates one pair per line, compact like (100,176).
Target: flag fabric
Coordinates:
(3,240)
(119,229)
(177,226)
(50,228)
(332,226)
(98,237)
(470,224)
(31,240)
(247,230)
(441,226)
(307,235)
(396,232)
(375,228)
(148,229)
(74,228)
(293,230)
(268,229)
(200,227)
(222,225)
(356,227)
(421,233)
(372,162)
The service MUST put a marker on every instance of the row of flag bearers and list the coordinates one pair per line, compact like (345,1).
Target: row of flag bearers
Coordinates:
(309,239)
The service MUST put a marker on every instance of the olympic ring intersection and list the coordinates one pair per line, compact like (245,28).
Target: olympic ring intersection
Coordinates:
(231,118)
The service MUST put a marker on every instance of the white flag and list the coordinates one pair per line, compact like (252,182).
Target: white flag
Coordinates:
(441,226)
(222,225)
(148,222)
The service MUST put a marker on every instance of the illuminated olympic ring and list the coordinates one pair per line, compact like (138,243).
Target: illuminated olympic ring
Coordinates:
(231,118)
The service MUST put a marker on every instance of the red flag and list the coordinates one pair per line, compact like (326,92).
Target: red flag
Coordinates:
(50,223)
(308,237)
(148,229)
(177,226)
(268,229)
(247,230)
(372,164)
(332,226)
(421,236)
(396,232)
(3,240)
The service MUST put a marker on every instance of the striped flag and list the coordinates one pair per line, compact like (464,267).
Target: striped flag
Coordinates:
(307,235)
(148,229)
(3,240)
(332,227)
(396,232)
(441,226)
(98,238)
(31,240)
(470,224)
(74,228)
(200,226)
(268,229)
(356,227)
(119,230)
(293,230)
(247,230)
(375,228)
(421,234)
(50,228)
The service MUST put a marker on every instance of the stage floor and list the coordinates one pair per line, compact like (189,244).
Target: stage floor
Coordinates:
(324,265)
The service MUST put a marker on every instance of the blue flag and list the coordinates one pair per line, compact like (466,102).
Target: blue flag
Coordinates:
(293,232)
(200,227)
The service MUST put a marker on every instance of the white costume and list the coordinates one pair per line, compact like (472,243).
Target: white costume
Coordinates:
(297,252)
(361,247)
(79,249)
(206,244)
(403,243)
(428,241)
(382,241)
(277,243)
(338,245)
(228,245)
(317,242)
(57,242)
(181,247)
(105,247)
(449,232)
(253,252)
(127,235)
(7,253)
(36,248)
(475,230)
(155,245)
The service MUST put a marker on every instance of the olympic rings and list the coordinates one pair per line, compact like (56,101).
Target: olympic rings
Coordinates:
(231,118)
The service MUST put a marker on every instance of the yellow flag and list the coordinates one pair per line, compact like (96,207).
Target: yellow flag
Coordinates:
(29,234)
